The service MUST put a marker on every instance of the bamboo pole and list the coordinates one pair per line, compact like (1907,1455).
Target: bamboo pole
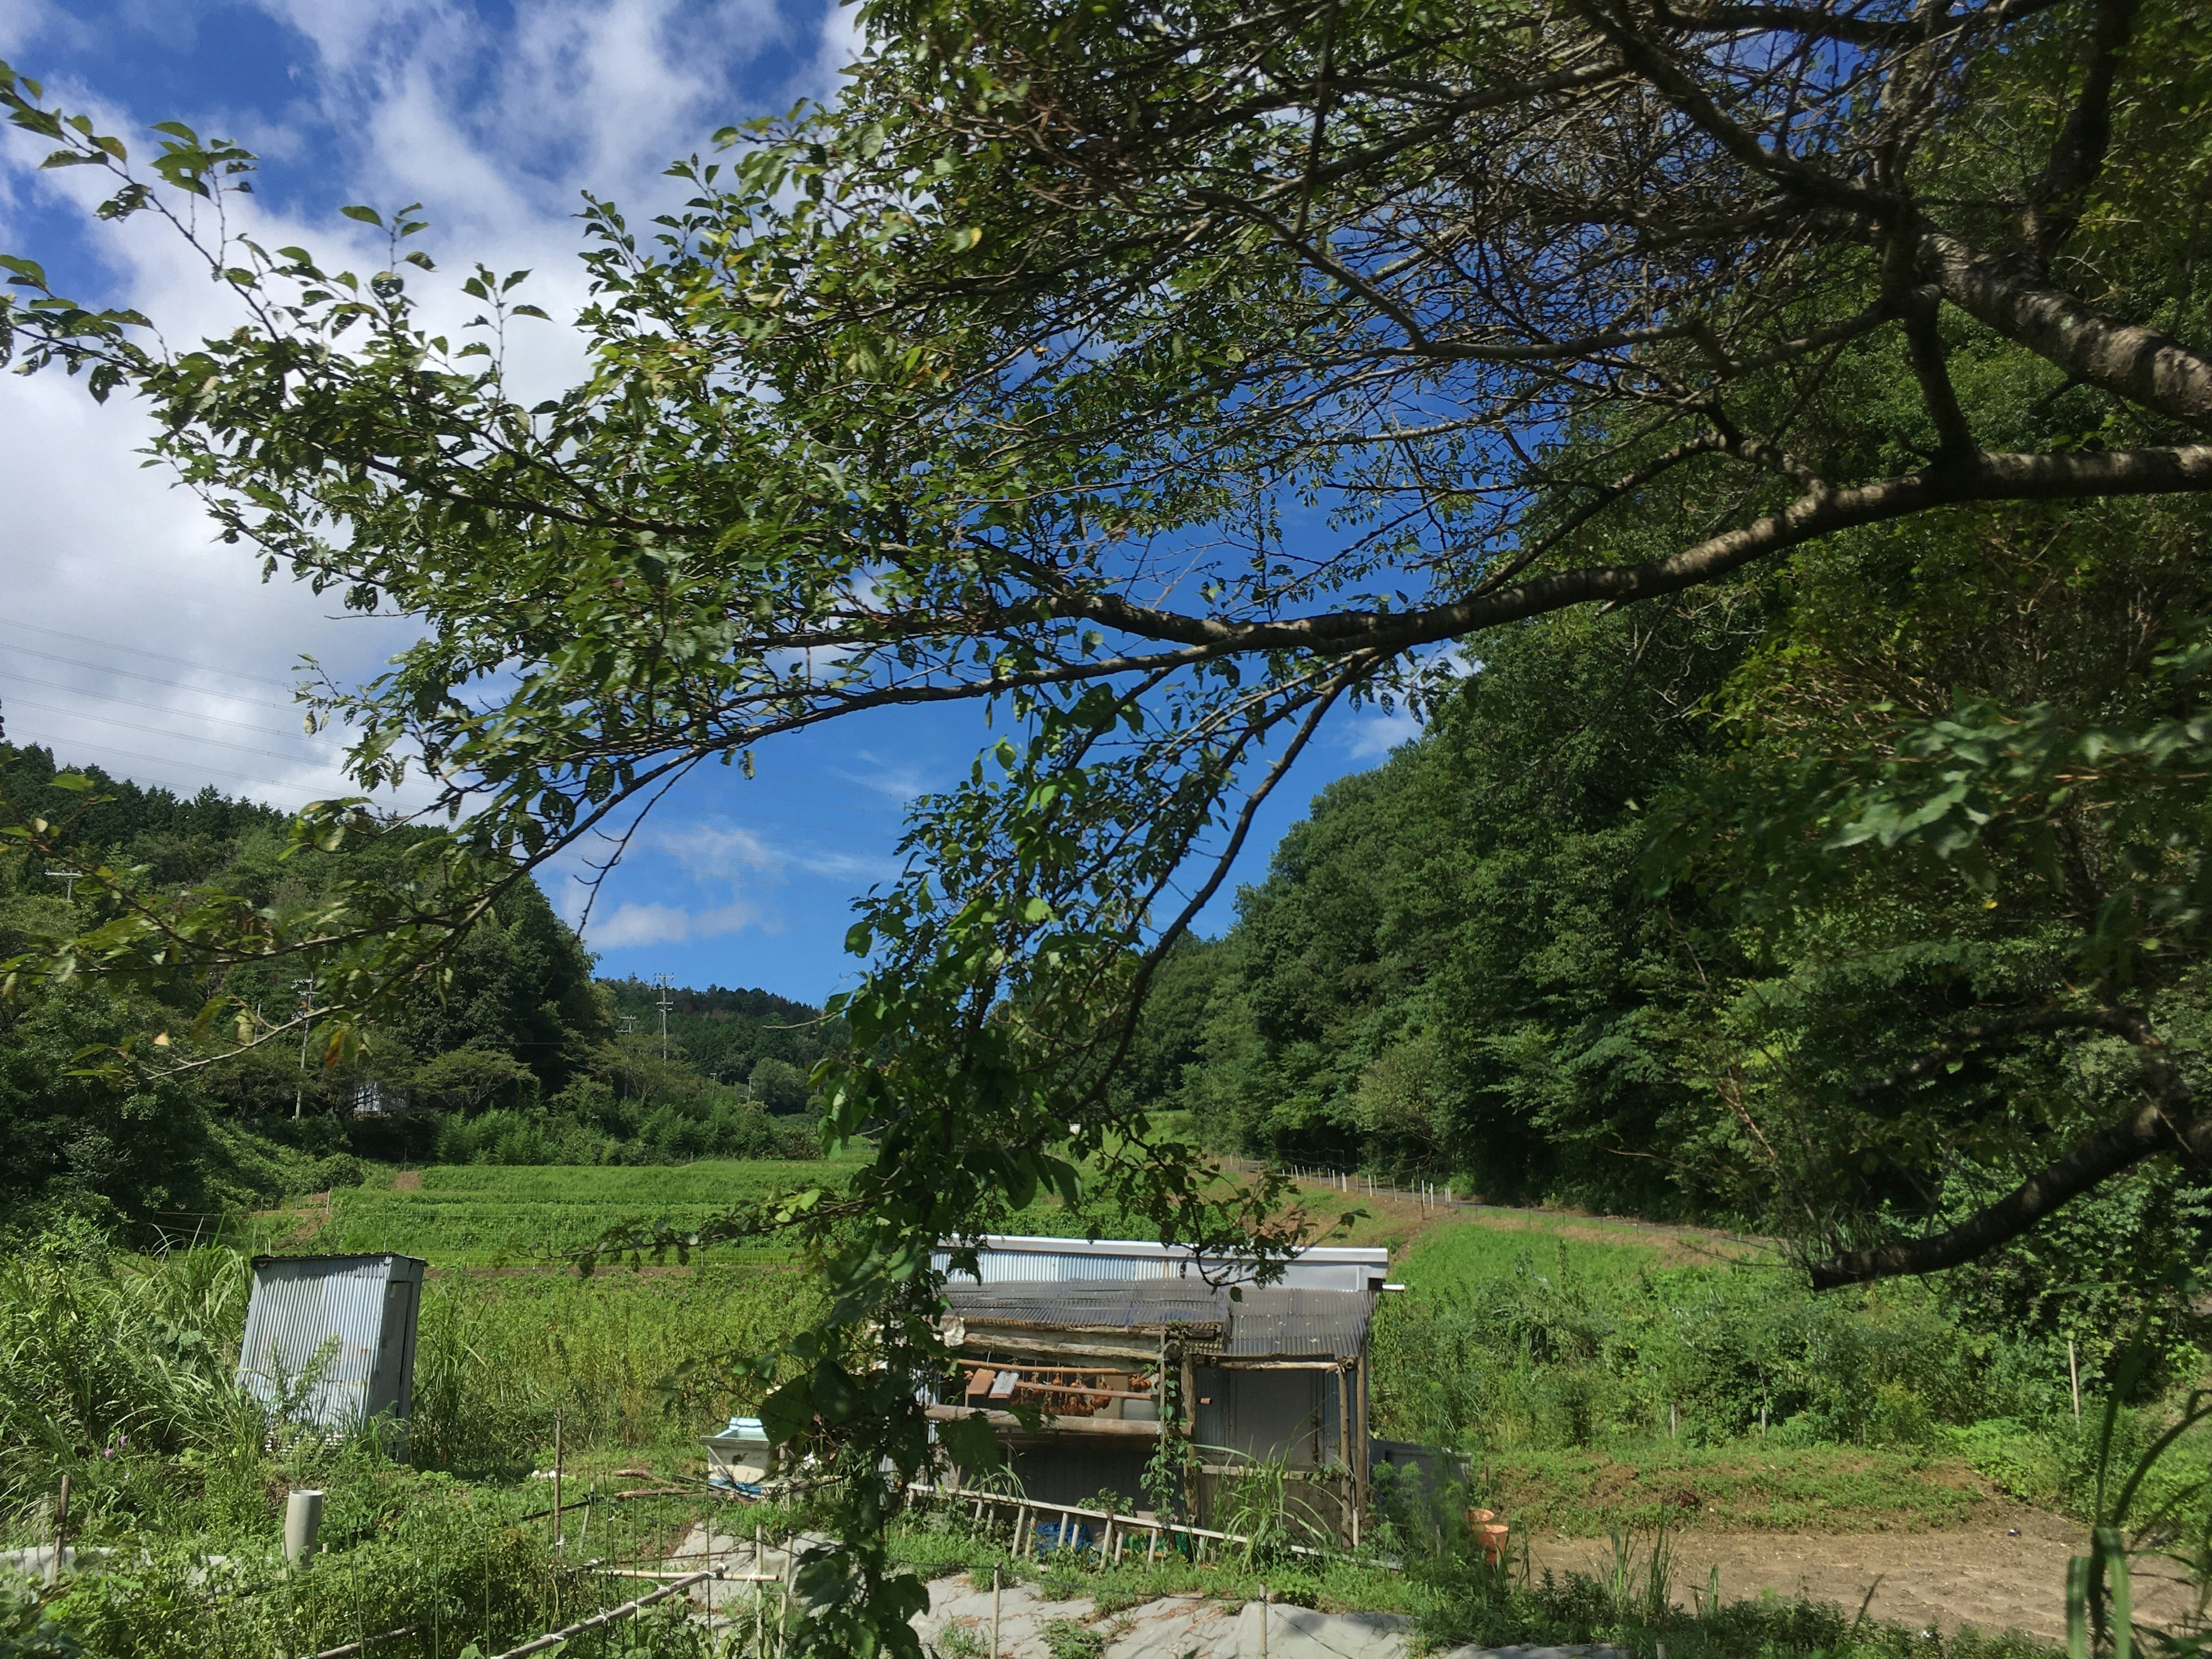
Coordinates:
(994,1614)
(554,1638)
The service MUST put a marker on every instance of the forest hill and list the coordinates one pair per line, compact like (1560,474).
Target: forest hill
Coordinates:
(519,1058)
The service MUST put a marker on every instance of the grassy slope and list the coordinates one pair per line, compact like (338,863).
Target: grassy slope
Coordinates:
(1584,1493)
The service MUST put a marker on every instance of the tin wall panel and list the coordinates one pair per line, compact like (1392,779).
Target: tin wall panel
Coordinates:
(330,1340)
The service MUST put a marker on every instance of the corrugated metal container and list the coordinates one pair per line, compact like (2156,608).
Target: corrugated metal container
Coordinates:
(330,1339)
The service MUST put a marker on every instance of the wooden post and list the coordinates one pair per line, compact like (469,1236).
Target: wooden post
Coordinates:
(1152,1549)
(2073,1376)
(1344,1438)
(995,1613)
(1263,1621)
(557,1478)
(61,1533)
(1360,1441)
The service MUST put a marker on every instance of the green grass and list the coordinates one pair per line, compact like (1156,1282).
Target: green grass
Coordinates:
(1587,1493)
(633,1361)
(487,1214)
(1460,1256)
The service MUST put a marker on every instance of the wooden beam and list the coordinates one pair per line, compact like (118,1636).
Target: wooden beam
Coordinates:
(975,1341)
(1099,1425)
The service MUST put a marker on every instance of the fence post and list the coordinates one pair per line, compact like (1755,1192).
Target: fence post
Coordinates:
(995,1613)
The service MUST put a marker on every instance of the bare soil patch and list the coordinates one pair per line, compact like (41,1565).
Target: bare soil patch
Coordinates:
(2007,1572)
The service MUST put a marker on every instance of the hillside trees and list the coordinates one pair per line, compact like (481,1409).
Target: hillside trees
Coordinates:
(1608,949)
(510,1056)
(1168,379)
(1453,964)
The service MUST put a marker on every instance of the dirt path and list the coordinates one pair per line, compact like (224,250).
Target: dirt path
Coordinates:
(2006,1573)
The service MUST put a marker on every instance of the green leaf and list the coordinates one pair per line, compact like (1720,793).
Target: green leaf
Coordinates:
(788,1411)
(970,1442)
(367,215)
(835,1397)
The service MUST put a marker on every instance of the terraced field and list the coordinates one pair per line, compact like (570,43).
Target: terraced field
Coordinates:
(456,1215)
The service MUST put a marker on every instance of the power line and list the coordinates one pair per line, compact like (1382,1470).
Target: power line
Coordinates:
(133,674)
(141,651)
(156,731)
(195,770)
(111,697)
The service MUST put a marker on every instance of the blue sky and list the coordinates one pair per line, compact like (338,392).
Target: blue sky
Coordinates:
(130,638)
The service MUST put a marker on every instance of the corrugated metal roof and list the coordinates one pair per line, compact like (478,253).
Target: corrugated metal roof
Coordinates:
(1020,1259)
(330,1338)
(1265,1324)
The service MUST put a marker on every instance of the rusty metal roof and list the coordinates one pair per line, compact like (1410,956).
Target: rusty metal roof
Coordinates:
(1264,1324)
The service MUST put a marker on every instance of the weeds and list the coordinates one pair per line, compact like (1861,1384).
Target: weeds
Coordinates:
(1256,1507)
(1466,1599)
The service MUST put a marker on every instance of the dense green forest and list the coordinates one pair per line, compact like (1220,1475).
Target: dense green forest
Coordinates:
(517,1057)
(1498,959)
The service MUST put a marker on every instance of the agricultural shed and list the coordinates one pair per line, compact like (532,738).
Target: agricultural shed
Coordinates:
(1092,1356)
(330,1339)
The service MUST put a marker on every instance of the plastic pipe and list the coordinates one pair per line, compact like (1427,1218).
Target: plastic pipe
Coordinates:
(303,1519)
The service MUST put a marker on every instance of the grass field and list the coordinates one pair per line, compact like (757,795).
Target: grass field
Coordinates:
(495,1214)
(1600,1373)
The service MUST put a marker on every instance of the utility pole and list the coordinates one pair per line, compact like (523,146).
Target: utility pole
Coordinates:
(305,987)
(666,1002)
(69,878)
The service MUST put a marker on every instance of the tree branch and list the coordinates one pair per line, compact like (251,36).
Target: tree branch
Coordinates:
(2148,368)
(2079,155)
(2168,1123)
(1819,513)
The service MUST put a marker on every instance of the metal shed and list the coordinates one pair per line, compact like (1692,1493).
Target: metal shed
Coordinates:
(330,1339)
(1088,1330)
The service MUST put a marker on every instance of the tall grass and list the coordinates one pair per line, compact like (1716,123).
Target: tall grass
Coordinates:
(1593,1385)
(112,1364)
(119,1371)
(628,1359)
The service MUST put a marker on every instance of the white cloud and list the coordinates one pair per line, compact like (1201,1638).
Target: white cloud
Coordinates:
(719,850)
(633,924)
(495,121)
(1374,734)
(885,778)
